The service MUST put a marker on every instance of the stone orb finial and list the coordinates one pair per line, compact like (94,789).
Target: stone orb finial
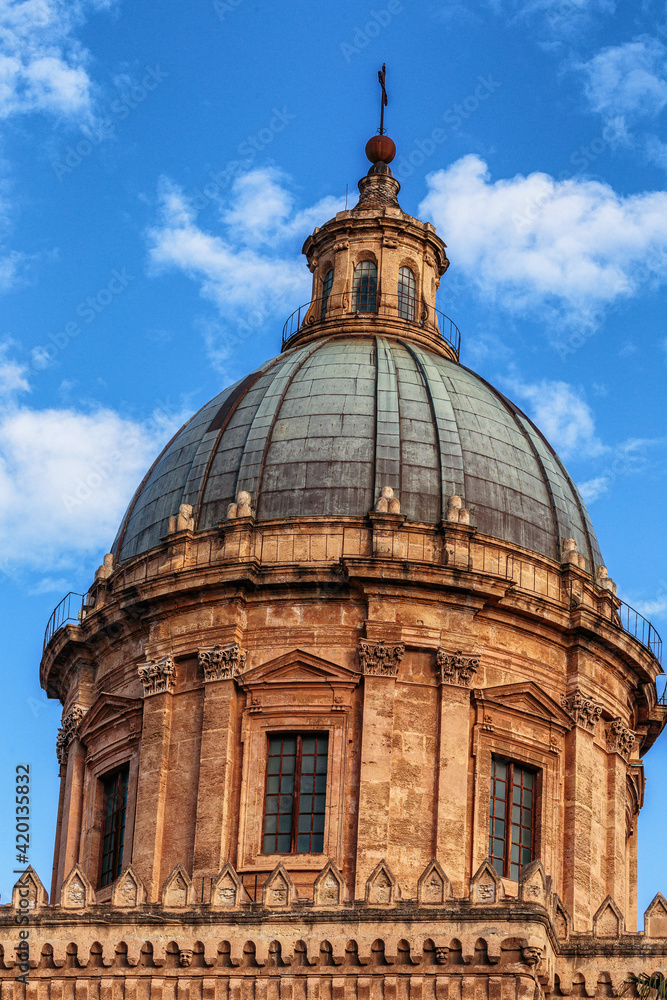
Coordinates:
(380,149)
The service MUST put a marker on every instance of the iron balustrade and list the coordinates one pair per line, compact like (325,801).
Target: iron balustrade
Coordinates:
(334,308)
(70,609)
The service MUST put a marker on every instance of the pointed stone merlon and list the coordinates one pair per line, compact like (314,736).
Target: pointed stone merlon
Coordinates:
(279,890)
(380,659)
(486,886)
(655,918)
(533,884)
(158,676)
(183,521)
(242,507)
(221,663)
(227,892)
(387,503)
(104,571)
(433,887)
(76,892)
(28,893)
(603,581)
(128,890)
(608,921)
(571,555)
(382,889)
(329,887)
(456,511)
(178,890)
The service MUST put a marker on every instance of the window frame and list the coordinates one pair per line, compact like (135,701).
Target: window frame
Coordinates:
(509,802)
(327,285)
(299,736)
(118,849)
(406,295)
(363,292)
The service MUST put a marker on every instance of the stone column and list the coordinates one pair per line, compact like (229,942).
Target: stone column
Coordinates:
(452,841)
(70,831)
(216,767)
(158,679)
(379,665)
(581,776)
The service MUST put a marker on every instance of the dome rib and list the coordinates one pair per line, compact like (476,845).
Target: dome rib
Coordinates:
(387,462)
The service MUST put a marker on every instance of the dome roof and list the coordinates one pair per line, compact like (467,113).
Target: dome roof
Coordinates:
(322,428)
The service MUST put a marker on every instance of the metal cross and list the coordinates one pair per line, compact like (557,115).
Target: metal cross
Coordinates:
(382,75)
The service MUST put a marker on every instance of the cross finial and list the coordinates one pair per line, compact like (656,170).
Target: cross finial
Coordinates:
(382,76)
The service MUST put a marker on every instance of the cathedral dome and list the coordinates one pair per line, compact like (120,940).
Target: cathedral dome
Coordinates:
(322,428)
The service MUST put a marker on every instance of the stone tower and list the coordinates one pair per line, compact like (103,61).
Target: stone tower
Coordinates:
(352,709)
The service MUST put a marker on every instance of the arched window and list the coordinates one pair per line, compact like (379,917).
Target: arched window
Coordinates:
(326,291)
(364,287)
(406,294)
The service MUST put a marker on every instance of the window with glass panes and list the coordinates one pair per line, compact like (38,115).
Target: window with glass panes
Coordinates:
(113,840)
(295,797)
(327,285)
(406,294)
(364,287)
(511,817)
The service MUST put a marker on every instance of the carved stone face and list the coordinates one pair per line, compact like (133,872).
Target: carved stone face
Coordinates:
(531,956)
(185,958)
(441,955)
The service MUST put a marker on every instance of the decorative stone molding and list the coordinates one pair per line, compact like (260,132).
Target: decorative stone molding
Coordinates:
(227,890)
(76,892)
(381,886)
(177,890)
(620,739)
(561,918)
(279,889)
(241,508)
(655,917)
(533,886)
(433,887)
(183,521)
(158,676)
(28,892)
(68,730)
(455,668)
(387,503)
(486,885)
(221,663)
(329,887)
(569,553)
(128,890)
(583,711)
(376,658)
(531,955)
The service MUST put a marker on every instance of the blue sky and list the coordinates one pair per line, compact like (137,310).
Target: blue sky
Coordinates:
(160,168)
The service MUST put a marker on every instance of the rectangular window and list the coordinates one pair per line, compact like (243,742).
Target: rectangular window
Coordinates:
(511,817)
(296,785)
(115,808)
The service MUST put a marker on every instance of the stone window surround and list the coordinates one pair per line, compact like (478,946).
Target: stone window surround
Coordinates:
(100,762)
(254,735)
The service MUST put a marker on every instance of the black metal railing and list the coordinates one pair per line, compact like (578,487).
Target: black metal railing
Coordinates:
(70,609)
(334,308)
(641,628)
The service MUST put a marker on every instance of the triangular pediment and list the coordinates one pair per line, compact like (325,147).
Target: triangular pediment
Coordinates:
(108,708)
(526,698)
(298,667)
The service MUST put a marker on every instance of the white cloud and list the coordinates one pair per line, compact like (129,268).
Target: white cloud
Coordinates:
(43,67)
(627,81)
(566,249)
(563,416)
(12,375)
(593,489)
(66,477)
(252,271)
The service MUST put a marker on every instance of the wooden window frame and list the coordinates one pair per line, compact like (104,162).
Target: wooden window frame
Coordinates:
(296,793)
(509,802)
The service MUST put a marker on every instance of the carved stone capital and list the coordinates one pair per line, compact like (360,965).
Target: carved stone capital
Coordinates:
(620,739)
(582,711)
(158,676)
(380,659)
(220,663)
(68,730)
(455,668)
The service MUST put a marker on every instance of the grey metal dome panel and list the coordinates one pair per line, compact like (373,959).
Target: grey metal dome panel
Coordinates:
(320,429)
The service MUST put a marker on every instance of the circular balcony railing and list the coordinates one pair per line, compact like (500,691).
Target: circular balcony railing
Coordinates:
(70,609)
(334,308)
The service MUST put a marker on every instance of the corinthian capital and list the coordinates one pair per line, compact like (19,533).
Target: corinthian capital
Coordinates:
(220,663)
(158,676)
(583,711)
(380,659)
(68,730)
(455,668)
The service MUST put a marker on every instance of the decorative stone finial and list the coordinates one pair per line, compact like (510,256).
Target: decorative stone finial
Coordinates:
(242,507)
(387,503)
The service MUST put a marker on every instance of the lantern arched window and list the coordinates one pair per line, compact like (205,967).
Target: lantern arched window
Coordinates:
(364,287)
(327,283)
(406,294)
